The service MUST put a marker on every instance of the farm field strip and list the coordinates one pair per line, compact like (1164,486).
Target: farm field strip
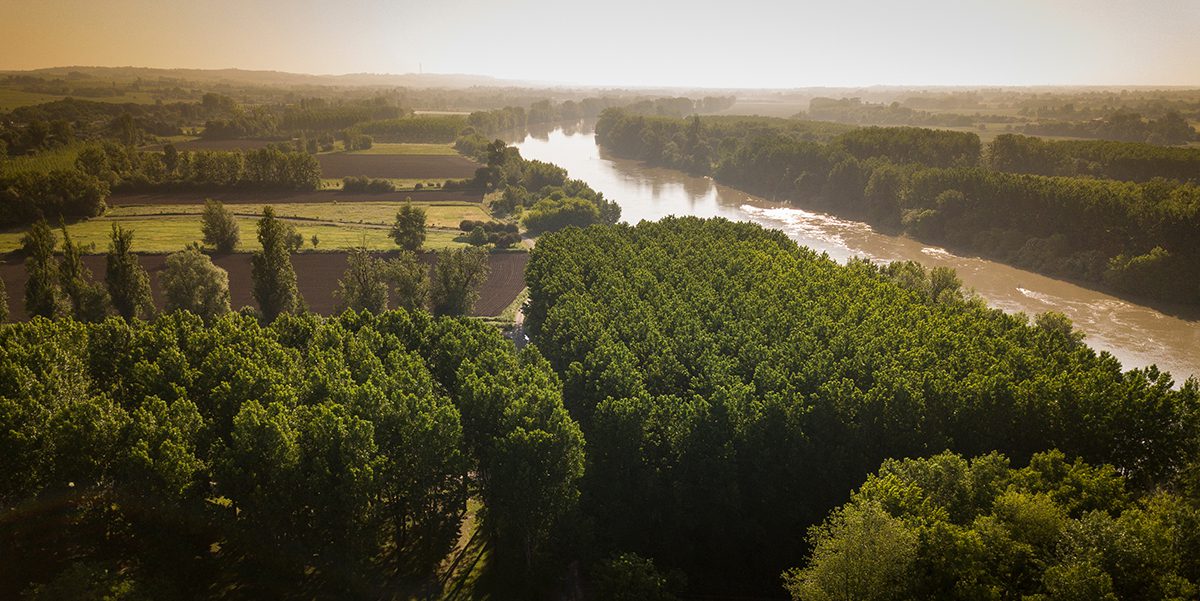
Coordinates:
(404,166)
(276,198)
(437,215)
(405,148)
(171,233)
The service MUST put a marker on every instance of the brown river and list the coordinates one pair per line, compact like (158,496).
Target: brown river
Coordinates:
(1137,335)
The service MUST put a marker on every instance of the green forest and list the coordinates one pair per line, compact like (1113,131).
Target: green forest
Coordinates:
(305,459)
(733,388)
(1117,214)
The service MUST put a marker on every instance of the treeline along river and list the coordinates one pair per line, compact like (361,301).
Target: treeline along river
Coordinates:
(1137,335)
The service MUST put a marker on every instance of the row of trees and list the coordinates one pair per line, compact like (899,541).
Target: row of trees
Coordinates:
(733,388)
(63,286)
(82,192)
(1123,126)
(275,167)
(1135,237)
(1130,161)
(517,118)
(182,459)
(435,129)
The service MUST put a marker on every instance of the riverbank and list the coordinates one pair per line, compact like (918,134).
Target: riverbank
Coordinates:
(1137,334)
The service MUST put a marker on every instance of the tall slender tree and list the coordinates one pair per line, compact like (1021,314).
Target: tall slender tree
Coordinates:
(88,299)
(42,294)
(3,302)
(128,283)
(273,277)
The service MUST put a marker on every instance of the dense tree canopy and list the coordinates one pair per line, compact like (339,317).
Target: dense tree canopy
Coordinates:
(307,459)
(948,528)
(733,387)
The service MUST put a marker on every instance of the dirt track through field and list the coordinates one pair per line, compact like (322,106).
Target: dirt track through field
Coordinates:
(188,197)
(317,275)
(399,166)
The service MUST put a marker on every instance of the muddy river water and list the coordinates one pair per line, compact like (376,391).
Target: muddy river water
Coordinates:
(1135,334)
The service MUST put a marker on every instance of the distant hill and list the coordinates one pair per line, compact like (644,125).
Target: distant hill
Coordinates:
(268,78)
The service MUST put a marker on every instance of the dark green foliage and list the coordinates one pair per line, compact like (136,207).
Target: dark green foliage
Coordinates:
(1124,126)
(43,296)
(364,285)
(88,299)
(631,577)
(733,387)
(432,129)
(929,147)
(362,183)
(1130,161)
(190,282)
(272,274)
(308,459)
(127,281)
(549,214)
(325,118)
(275,167)
(949,528)
(457,277)
(60,194)
(219,226)
(3,303)
(477,237)
(409,229)
(409,277)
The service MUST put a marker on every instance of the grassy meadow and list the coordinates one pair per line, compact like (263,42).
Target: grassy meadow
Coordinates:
(338,226)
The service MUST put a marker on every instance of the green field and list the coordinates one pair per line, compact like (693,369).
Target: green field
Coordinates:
(405,148)
(59,158)
(437,215)
(11,99)
(168,234)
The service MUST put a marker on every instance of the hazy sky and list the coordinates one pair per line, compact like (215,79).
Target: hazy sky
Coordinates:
(744,43)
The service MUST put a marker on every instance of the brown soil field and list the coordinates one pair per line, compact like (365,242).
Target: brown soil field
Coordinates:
(317,275)
(190,197)
(398,166)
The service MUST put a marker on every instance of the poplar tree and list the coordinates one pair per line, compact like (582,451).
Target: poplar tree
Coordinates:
(272,274)
(42,295)
(88,300)
(128,283)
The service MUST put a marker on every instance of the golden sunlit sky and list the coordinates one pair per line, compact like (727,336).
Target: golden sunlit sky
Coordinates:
(749,43)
